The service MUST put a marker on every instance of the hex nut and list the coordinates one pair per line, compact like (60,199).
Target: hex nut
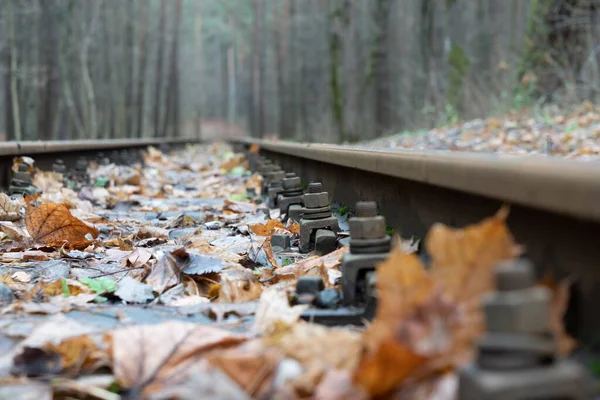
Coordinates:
(325,242)
(518,311)
(280,241)
(367,228)
(291,183)
(309,285)
(316,200)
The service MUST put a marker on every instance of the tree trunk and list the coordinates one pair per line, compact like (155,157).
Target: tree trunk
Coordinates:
(159,70)
(143,51)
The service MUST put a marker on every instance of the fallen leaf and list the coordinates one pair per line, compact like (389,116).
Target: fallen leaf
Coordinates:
(238,285)
(266,229)
(149,231)
(52,224)
(9,208)
(427,319)
(56,288)
(318,349)
(273,310)
(167,271)
(139,257)
(150,358)
(132,291)
(79,354)
(252,369)
(12,231)
(391,364)
(21,276)
(558,308)
(47,181)
(464,258)
(239,207)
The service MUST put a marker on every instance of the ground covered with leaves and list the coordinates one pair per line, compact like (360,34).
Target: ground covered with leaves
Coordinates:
(574,134)
(160,282)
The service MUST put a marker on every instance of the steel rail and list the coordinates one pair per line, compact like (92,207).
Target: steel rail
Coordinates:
(554,203)
(30,148)
(557,185)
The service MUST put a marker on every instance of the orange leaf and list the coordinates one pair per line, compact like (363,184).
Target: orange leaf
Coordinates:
(265,229)
(389,366)
(79,354)
(52,224)
(254,148)
(463,259)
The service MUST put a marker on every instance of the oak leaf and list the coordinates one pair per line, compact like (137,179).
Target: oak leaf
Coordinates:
(53,224)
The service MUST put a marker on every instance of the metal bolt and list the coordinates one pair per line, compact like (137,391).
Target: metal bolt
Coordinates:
(315,187)
(291,183)
(309,285)
(366,209)
(316,200)
(280,241)
(518,306)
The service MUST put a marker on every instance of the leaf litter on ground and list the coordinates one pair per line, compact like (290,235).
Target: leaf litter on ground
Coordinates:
(192,250)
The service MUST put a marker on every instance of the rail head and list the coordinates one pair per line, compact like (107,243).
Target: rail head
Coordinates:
(39,147)
(547,183)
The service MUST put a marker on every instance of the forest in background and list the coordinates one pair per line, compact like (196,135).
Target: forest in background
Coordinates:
(310,70)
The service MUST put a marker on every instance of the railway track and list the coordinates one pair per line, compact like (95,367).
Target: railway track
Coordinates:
(554,214)
(554,203)
(46,152)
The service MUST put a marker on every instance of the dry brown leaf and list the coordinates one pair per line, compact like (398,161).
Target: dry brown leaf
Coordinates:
(266,229)
(463,258)
(79,354)
(239,207)
(293,227)
(139,257)
(558,308)
(9,208)
(149,231)
(427,319)
(48,181)
(12,231)
(167,271)
(318,348)
(252,369)
(56,288)
(254,148)
(52,224)
(238,285)
(233,162)
(149,358)
(391,364)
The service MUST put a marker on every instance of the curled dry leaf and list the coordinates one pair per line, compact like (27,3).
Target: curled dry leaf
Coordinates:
(52,224)
(238,285)
(149,358)
(79,354)
(427,319)
(9,208)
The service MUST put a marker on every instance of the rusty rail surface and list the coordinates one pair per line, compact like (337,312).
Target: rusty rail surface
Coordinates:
(554,214)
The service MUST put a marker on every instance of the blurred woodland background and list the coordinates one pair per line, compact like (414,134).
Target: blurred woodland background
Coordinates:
(310,70)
